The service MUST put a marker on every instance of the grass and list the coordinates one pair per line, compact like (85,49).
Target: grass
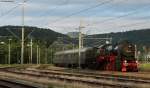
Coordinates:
(4,65)
(40,66)
(71,85)
(17,66)
(144,67)
(44,66)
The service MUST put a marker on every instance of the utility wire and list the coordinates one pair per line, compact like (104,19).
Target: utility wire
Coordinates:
(12,9)
(13,34)
(122,16)
(130,25)
(83,10)
(98,4)
(42,15)
(48,12)
(6,1)
(134,24)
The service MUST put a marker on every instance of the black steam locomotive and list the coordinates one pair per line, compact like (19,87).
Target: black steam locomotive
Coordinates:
(120,57)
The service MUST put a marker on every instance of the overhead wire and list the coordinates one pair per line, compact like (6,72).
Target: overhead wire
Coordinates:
(83,10)
(7,13)
(48,11)
(119,17)
(129,25)
(134,24)
(134,11)
(12,9)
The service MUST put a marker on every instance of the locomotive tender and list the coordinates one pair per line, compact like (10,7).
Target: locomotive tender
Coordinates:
(120,57)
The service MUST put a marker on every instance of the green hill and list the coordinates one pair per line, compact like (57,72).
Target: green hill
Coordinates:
(42,39)
(40,34)
(140,37)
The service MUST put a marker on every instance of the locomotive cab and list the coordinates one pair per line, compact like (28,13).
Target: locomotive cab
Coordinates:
(129,62)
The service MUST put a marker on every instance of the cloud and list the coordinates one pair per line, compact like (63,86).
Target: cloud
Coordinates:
(44,13)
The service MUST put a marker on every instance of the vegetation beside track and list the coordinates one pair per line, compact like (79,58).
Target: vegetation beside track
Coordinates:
(17,66)
(44,66)
(144,67)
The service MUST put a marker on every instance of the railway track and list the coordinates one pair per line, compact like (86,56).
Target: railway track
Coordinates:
(106,81)
(68,79)
(94,75)
(5,83)
(91,73)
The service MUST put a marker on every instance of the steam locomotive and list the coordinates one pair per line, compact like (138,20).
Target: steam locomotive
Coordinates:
(119,57)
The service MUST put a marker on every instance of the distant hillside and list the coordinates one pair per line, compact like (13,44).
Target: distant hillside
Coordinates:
(34,32)
(140,37)
(73,34)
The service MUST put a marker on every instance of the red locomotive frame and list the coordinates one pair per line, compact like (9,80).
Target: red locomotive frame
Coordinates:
(111,57)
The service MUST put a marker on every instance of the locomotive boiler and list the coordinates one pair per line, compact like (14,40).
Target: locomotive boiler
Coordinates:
(119,57)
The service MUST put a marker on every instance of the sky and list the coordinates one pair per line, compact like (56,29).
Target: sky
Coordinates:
(95,16)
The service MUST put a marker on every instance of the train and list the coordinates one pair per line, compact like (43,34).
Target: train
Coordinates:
(118,57)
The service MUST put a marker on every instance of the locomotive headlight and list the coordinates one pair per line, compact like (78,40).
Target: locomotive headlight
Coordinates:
(129,46)
(136,61)
(125,63)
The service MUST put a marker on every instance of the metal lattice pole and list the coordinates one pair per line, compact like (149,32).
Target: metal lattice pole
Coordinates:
(80,44)
(31,45)
(9,52)
(37,53)
(22,38)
